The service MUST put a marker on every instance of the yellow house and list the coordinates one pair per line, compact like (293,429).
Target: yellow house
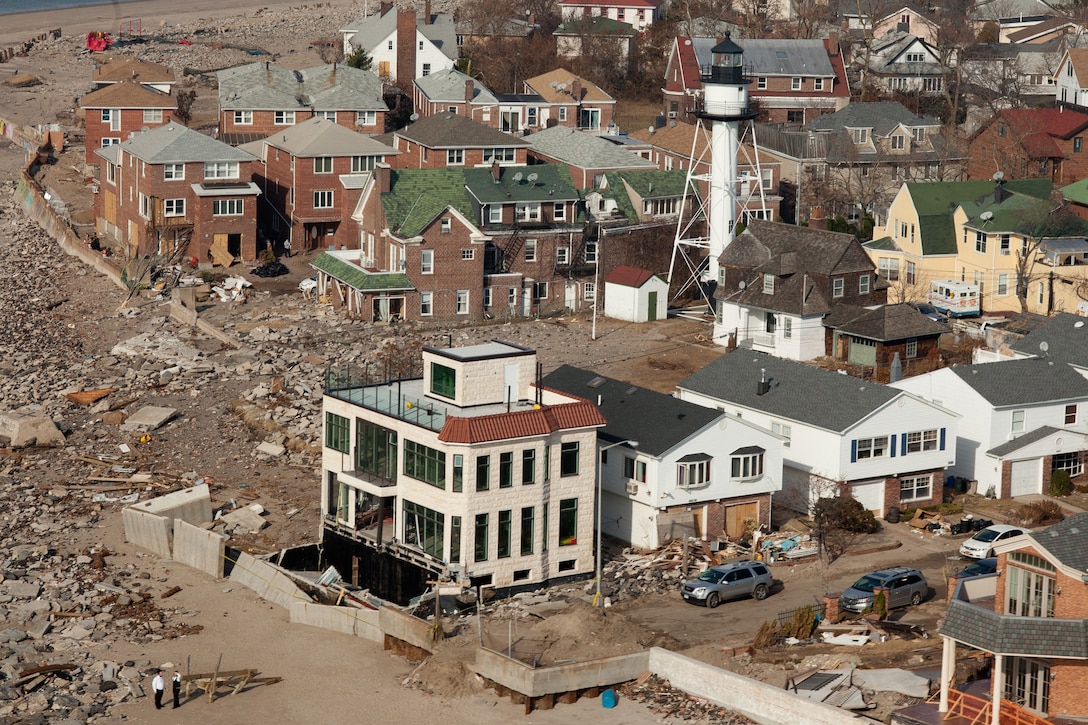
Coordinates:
(979,232)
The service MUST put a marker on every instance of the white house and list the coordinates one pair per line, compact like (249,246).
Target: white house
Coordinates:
(691,471)
(400,43)
(1021,420)
(886,447)
(636,295)
(458,472)
(639,14)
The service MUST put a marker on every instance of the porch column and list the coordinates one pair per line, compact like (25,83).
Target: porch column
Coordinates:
(948,671)
(997,685)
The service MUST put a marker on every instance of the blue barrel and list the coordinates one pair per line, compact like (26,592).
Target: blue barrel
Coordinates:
(608,699)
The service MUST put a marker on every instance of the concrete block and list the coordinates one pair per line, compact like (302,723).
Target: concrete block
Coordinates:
(541,681)
(406,628)
(357,622)
(20,430)
(196,547)
(148,418)
(267,580)
(271,449)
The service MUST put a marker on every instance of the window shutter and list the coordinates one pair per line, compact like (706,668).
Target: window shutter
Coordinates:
(854,451)
(942,438)
(891,444)
(903,444)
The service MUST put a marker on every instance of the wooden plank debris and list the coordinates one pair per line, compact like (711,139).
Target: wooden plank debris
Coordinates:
(235,680)
(86,397)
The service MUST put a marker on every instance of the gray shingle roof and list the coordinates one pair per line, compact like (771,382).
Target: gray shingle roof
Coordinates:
(656,420)
(584,150)
(1043,636)
(1066,338)
(1067,541)
(785,58)
(1020,441)
(448,130)
(321,137)
(798,392)
(885,323)
(1024,382)
(883,117)
(448,86)
(174,143)
(265,86)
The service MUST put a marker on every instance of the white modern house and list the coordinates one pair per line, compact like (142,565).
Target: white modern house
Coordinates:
(883,446)
(670,468)
(458,472)
(1021,420)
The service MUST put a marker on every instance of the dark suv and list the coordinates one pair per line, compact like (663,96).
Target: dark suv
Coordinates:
(905,586)
(728,581)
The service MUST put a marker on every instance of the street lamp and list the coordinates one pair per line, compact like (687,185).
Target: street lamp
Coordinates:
(600,506)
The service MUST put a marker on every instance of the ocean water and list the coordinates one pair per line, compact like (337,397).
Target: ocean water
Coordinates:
(8,7)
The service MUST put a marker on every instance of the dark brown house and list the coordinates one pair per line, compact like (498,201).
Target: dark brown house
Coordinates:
(863,336)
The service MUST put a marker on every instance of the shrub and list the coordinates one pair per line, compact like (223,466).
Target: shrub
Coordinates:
(1040,513)
(880,605)
(845,513)
(1060,483)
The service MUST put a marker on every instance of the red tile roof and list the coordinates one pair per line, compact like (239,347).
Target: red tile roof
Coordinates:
(1060,122)
(628,276)
(521,424)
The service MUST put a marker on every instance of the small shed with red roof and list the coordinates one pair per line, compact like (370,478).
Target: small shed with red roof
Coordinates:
(635,295)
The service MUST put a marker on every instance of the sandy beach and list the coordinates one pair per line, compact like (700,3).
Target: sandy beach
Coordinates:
(20,27)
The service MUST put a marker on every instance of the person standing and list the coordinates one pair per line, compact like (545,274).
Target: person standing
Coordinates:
(287,247)
(175,683)
(158,685)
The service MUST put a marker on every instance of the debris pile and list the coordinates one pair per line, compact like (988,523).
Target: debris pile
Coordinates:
(669,703)
(661,570)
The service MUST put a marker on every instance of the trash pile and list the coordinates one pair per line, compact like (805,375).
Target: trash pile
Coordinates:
(666,701)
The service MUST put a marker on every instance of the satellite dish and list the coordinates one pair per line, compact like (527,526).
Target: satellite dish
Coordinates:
(986,216)
(742,284)
(517,177)
(532,178)
(999,175)
(562,86)
(414,117)
(554,84)
(1044,346)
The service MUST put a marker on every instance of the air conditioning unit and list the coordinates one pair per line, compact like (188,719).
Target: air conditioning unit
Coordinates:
(632,487)
(672,114)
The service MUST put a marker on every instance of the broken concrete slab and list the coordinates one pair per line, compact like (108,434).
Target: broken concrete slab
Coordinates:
(149,418)
(21,430)
(893,679)
(271,449)
(246,518)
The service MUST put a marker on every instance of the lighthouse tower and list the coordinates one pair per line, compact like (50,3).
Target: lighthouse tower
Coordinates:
(723,121)
(725,106)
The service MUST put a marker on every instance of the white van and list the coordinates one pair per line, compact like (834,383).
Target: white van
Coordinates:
(956,299)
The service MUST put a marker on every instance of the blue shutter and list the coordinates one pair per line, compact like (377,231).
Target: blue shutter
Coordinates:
(892,444)
(903,444)
(854,451)
(942,439)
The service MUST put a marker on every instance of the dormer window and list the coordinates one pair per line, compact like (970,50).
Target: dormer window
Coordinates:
(768,284)
(861,135)
(898,142)
(919,134)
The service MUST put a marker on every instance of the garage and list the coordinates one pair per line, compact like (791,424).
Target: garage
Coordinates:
(1026,477)
(870,494)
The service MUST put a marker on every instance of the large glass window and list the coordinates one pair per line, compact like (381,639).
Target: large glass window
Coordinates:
(506,469)
(425,464)
(568,521)
(483,473)
(1071,463)
(506,526)
(527,521)
(455,539)
(443,381)
(915,488)
(528,466)
(337,432)
(481,537)
(568,459)
(458,473)
(746,463)
(227,207)
(693,474)
(1028,593)
(375,449)
(424,529)
(221,170)
(922,440)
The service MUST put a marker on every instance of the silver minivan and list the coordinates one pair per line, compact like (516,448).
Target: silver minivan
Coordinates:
(905,586)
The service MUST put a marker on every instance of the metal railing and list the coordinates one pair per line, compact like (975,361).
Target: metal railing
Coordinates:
(349,383)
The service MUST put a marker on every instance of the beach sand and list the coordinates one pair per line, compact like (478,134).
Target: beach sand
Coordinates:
(20,27)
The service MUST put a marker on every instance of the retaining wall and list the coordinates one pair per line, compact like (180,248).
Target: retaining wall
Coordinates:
(266,580)
(540,681)
(761,702)
(148,531)
(150,524)
(199,548)
(357,622)
(395,623)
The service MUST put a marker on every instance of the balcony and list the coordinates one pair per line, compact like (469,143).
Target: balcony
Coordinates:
(350,384)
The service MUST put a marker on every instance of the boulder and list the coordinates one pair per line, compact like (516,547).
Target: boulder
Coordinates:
(21,430)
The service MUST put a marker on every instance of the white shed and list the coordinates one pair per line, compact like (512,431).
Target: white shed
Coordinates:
(636,295)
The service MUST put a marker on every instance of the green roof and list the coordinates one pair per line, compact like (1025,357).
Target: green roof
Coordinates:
(1077,191)
(884,244)
(417,196)
(936,200)
(646,184)
(358,278)
(552,183)
(617,192)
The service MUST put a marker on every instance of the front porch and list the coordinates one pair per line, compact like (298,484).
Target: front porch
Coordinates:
(968,704)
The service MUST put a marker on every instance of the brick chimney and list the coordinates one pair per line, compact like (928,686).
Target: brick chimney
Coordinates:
(496,171)
(384,175)
(427,9)
(817,220)
(406,47)
(384,8)
(576,90)
(833,44)
(470,90)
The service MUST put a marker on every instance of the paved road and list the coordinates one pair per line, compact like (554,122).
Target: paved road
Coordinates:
(802,582)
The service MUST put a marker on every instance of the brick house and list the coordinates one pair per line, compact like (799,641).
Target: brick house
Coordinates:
(117,110)
(873,337)
(794,81)
(402,44)
(696,471)
(453,140)
(175,192)
(463,470)
(777,282)
(1031,143)
(1028,620)
(451,91)
(573,101)
(311,178)
(639,14)
(121,70)
(844,436)
(587,156)
(259,99)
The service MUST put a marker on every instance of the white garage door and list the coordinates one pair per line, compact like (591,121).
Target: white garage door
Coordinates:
(1027,477)
(870,494)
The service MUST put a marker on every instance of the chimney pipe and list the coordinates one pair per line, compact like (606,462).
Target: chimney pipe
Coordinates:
(763,385)
(496,172)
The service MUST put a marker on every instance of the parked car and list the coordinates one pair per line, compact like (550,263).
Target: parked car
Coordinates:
(930,311)
(905,586)
(981,545)
(728,581)
(979,568)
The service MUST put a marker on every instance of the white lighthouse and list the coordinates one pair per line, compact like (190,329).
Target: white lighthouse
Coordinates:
(725,106)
